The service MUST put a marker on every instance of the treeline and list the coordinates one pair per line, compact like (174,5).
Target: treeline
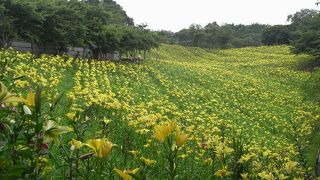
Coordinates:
(216,36)
(303,34)
(100,25)
(104,27)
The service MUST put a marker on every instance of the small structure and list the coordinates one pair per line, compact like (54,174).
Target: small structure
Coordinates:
(113,56)
(77,52)
(35,49)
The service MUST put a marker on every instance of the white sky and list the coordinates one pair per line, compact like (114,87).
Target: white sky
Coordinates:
(175,15)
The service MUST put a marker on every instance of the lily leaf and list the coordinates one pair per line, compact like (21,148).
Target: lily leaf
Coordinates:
(52,131)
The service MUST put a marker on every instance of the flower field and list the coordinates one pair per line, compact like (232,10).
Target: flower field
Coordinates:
(195,114)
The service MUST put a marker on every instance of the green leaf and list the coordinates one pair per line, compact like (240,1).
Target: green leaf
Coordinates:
(38,100)
(52,131)
(56,101)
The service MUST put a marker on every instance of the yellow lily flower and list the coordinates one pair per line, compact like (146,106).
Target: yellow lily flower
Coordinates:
(30,99)
(71,115)
(222,150)
(244,158)
(181,138)
(290,166)
(101,147)
(106,121)
(223,172)
(245,176)
(265,175)
(148,162)
(161,132)
(282,177)
(171,126)
(75,144)
(134,152)
(125,174)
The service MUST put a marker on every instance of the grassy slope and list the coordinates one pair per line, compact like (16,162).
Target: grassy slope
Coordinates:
(274,71)
(257,90)
(274,68)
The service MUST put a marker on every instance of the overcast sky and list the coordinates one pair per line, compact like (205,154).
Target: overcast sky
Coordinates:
(175,15)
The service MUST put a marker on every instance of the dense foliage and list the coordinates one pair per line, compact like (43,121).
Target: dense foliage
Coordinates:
(228,114)
(216,36)
(102,26)
(302,34)
(276,35)
(306,32)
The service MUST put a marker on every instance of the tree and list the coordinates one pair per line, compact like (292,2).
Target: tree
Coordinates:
(276,35)
(63,24)
(111,36)
(197,35)
(28,22)
(117,14)
(307,36)
(166,37)
(183,37)
(146,40)
(129,40)
(224,36)
(108,40)
(97,18)
(301,15)
(7,29)
(211,31)
(248,35)
(137,38)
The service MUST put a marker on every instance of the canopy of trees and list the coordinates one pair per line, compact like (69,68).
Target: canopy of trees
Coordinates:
(303,34)
(101,25)
(306,32)
(104,27)
(276,35)
(215,36)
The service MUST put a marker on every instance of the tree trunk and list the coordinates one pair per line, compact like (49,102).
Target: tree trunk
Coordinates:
(99,53)
(57,50)
(4,40)
(32,48)
(144,54)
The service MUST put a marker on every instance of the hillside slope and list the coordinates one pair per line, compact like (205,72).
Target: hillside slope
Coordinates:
(254,97)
